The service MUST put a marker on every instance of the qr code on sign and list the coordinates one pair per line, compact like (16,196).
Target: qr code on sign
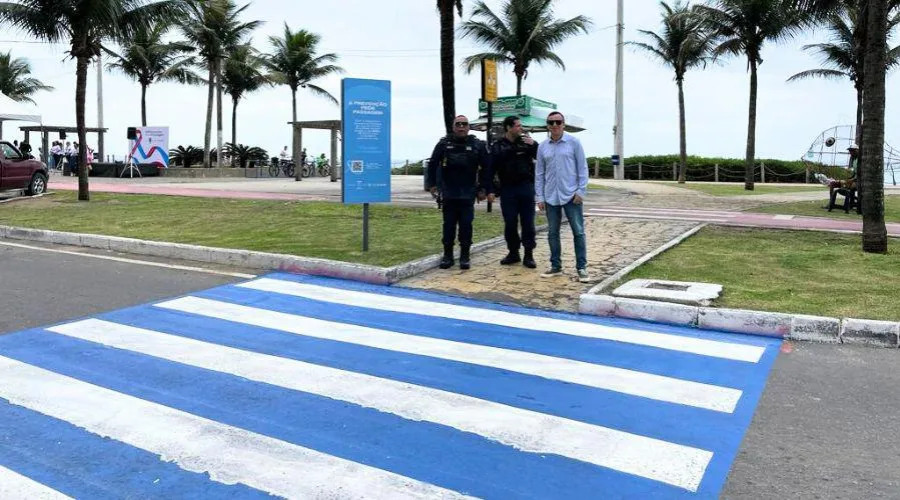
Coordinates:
(356,166)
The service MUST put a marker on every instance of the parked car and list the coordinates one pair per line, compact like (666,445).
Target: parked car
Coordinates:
(20,171)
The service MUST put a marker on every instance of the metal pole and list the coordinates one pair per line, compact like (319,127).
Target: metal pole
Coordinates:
(100,105)
(490,125)
(619,170)
(365,227)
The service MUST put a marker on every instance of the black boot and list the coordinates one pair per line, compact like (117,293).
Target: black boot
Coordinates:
(528,261)
(447,260)
(464,257)
(511,258)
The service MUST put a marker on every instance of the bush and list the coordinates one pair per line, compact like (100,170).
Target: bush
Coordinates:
(416,168)
(699,168)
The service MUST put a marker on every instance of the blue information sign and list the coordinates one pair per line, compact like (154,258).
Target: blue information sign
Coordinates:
(614,159)
(366,132)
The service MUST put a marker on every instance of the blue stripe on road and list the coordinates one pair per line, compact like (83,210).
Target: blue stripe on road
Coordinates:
(80,464)
(665,362)
(424,451)
(697,428)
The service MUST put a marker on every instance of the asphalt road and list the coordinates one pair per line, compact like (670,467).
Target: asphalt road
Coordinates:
(43,287)
(823,429)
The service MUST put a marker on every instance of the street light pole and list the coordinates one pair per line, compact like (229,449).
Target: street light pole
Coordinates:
(618,129)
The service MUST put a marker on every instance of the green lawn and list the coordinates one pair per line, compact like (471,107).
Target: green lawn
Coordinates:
(312,229)
(737,189)
(814,209)
(786,271)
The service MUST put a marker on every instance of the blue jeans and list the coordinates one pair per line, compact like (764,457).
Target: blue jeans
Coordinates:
(575,215)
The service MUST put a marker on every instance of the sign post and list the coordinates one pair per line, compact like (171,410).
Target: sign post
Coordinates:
(489,95)
(366,145)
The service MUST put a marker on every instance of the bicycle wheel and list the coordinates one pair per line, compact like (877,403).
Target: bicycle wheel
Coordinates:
(289,171)
(305,171)
(273,170)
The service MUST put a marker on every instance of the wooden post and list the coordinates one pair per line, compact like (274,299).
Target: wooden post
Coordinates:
(807,174)
(407,167)
(597,168)
(640,173)
(674,171)
(716,170)
(762,172)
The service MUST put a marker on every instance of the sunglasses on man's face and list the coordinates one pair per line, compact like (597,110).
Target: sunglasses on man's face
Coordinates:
(554,122)
(462,124)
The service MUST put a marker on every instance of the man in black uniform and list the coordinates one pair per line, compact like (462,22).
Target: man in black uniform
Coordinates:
(454,170)
(512,158)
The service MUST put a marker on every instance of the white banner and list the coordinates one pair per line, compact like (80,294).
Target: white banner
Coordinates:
(150,145)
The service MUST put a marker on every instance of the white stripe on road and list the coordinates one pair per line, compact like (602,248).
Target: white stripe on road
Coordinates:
(228,454)
(526,430)
(783,217)
(632,382)
(131,261)
(628,215)
(15,485)
(680,211)
(726,350)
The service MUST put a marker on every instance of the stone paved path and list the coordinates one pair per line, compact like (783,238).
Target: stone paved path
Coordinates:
(612,245)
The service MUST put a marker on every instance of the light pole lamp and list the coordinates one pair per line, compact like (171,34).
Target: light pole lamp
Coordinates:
(618,128)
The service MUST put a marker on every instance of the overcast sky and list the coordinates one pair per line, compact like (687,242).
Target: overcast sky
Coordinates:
(398,40)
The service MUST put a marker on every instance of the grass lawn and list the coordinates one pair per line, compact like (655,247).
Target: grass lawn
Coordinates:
(814,209)
(737,189)
(312,229)
(804,272)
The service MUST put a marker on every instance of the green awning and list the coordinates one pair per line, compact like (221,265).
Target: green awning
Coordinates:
(529,123)
(530,110)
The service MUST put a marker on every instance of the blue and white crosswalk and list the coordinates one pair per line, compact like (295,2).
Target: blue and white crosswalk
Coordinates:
(302,387)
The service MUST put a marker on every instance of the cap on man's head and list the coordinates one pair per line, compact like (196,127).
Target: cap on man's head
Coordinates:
(853,147)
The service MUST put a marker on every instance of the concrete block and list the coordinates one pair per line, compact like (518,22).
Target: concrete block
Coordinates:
(597,305)
(744,321)
(229,257)
(871,332)
(334,269)
(815,328)
(265,260)
(190,252)
(63,238)
(94,241)
(24,233)
(682,292)
(661,312)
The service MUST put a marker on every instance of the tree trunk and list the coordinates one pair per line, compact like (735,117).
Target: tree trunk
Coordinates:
(294,104)
(874,233)
(448,84)
(519,84)
(682,129)
(143,105)
(749,166)
(80,90)
(234,103)
(219,113)
(209,110)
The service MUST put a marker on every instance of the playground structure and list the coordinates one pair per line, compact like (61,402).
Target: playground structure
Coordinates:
(829,150)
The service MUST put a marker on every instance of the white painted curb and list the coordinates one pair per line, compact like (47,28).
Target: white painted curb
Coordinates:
(242,258)
(769,324)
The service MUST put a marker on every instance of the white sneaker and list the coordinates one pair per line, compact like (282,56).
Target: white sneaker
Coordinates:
(583,276)
(553,271)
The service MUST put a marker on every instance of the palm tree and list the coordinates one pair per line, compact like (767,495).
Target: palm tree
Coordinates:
(742,27)
(682,45)
(243,74)
(295,63)
(448,80)
(84,25)
(527,33)
(213,27)
(147,59)
(843,56)
(16,81)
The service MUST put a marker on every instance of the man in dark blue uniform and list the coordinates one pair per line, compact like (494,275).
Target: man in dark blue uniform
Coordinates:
(512,159)
(457,165)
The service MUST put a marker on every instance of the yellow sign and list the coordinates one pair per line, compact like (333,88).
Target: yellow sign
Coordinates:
(489,77)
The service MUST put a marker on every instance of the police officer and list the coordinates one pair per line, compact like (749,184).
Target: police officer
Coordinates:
(454,170)
(512,159)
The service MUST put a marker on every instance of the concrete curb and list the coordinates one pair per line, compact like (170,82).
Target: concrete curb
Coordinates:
(599,287)
(768,324)
(242,258)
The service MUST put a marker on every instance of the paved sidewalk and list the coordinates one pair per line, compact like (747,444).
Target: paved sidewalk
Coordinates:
(612,244)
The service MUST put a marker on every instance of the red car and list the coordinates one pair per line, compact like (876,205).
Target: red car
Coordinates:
(19,171)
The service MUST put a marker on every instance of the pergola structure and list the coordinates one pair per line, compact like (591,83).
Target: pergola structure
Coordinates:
(46,130)
(333,125)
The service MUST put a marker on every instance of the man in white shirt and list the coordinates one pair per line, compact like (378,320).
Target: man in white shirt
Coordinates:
(560,184)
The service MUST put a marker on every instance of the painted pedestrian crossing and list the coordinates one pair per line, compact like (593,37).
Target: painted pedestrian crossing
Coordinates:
(305,387)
